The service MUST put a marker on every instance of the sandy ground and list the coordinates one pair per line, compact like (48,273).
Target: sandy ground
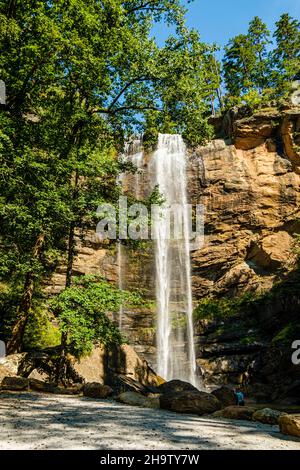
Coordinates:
(36,421)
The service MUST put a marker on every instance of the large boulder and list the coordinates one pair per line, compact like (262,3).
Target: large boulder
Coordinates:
(15,384)
(190,401)
(104,365)
(290,136)
(225,395)
(4,372)
(40,386)
(272,251)
(136,399)
(124,383)
(290,424)
(174,386)
(235,412)
(250,132)
(12,363)
(49,387)
(97,390)
(268,416)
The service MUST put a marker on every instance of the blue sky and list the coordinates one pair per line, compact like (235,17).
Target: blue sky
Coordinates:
(220,20)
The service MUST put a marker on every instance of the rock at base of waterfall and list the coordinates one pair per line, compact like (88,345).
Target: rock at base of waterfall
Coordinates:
(103,365)
(136,399)
(190,401)
(235,412)
(97,390)
(15,384)
(268,416)
(11,364)
(123,383)
(4,372)
(225,395)
(290,424)
(50,387)
(174,386)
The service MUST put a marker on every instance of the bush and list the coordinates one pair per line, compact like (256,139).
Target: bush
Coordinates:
(40,332)
(217,309)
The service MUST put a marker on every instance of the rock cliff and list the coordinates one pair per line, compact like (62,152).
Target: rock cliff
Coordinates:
(249,183)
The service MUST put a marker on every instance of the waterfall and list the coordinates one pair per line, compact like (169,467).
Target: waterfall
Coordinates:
(175,343)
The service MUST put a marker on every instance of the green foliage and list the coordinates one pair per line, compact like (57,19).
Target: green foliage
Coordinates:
(218,309)
(286,335)
(81,76)
(286,55)
(9,299)
(82,312)
(245,62)
(256,73)
(40,332)
(151,131)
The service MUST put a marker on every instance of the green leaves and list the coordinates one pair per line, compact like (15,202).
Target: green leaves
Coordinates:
(286,55)
(256,73)
(82,308)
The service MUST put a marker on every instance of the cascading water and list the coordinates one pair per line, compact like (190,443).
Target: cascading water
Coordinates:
(175,344)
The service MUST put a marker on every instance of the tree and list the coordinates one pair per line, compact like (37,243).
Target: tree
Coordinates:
(245,63)
(259,37)
(81,76)
(238,65)
(286,55)
(81,311)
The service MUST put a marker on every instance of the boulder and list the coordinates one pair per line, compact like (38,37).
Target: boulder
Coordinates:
(136,399)
(174,386)
(48,387)
(225,395)
(4,372)
(190,401)
(39,375)
(104,365)
(41,386)
(97,390)
(74,390)
(235,412)
(123,383)
(268,416)
(12,363)
(290,424)
(272,251)
(15,383)
(290,136)
(250,132)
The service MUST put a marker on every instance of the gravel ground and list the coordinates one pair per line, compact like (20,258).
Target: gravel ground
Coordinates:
(36,421)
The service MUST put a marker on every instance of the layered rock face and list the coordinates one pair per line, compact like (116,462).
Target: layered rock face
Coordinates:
(250,188)
(251,200)
(249,184)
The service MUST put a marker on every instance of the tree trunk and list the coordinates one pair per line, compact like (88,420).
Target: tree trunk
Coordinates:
(15,343)
(220,98)
(212,99)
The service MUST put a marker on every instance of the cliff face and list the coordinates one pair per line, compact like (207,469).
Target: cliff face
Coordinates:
(251,198)
(249,184)
(250,187)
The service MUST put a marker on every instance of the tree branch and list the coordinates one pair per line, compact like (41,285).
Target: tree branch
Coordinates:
(125,87)
(124,108)
(150,5)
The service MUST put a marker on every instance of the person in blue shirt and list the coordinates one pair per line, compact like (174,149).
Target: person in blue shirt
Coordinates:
(239,397)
